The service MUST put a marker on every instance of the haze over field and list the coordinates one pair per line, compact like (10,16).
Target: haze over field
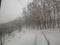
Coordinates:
(11,9)
(19,32)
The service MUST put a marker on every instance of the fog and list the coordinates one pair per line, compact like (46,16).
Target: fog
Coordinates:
(11,9)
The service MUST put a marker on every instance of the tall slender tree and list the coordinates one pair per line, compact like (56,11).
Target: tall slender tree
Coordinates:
(42,13)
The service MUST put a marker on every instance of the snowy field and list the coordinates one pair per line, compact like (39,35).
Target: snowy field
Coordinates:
(30,36)
(10,10)
(53,36)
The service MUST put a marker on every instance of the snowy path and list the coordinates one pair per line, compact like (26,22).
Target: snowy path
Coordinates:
(33,37)
(29,37)
(53,36)
(41,39)
(21,39)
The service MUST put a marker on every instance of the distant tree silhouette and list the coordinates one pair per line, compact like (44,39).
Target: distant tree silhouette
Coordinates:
(43,13)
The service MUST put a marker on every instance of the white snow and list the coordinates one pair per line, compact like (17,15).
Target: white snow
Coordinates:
(29,36)
(53,36)
(21,38)
(26,37)
(12,9)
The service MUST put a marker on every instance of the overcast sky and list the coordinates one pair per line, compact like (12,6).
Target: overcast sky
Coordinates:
(10,9)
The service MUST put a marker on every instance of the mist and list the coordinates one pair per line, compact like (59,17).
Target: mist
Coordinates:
(11,9)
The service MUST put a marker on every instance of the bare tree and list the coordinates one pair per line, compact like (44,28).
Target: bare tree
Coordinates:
(43,13)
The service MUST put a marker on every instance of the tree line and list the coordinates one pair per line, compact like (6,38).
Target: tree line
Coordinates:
(43,14)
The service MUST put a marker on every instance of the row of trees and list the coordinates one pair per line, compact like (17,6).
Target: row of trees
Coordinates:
(43,14)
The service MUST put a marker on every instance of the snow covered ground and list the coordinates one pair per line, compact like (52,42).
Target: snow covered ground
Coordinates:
(12,9)
(53,36)
(33,37)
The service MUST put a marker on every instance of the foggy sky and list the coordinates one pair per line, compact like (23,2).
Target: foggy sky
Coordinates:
(11,9)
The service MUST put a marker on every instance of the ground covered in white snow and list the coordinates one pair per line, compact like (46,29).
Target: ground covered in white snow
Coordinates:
(33,37)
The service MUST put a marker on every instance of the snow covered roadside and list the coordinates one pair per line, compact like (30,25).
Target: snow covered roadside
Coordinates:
(53,35)
(29,36)
(21,38)
(26,37)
